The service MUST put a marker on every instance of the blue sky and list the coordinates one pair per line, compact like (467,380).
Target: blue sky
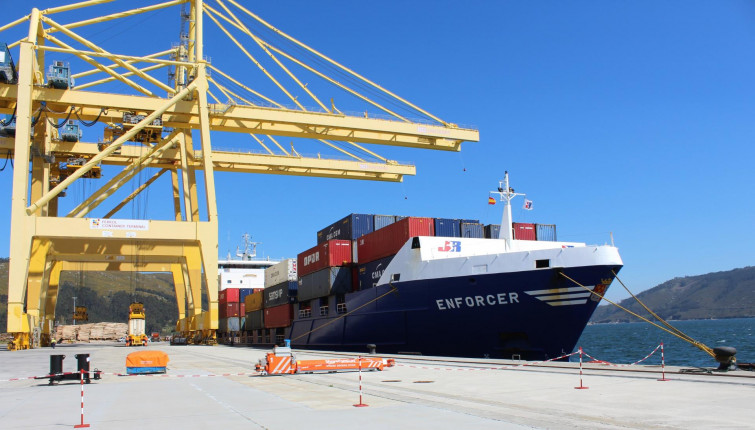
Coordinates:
(631,117)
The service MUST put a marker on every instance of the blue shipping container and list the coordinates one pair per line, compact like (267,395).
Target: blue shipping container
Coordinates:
(492,231)
(383,220)
(333,280)
(472,230)
(545,232)
(369,274)
(351,227)
(243,292)
(446,227)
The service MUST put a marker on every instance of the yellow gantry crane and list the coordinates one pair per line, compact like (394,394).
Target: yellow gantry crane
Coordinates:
(148,124)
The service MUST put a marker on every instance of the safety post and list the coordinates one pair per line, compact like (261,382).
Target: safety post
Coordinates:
(360,404)
(82,425)
(581,387)
(663,366)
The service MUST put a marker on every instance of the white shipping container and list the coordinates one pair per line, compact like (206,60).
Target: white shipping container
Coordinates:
(282,272)
(136,327)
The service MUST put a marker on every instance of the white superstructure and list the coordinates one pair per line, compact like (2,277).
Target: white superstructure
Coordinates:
(244,272)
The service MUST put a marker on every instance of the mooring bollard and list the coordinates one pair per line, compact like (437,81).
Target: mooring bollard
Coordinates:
(360,404)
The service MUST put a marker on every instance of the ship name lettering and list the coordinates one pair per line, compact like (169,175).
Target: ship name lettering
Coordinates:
(477,301)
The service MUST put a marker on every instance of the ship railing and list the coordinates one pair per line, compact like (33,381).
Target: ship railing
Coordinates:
(305,313)
(341,308)
(323,311)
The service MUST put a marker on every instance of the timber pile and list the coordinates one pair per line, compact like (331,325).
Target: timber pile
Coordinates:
(93,331)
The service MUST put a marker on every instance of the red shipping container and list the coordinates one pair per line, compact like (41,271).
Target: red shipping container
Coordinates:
(389,239)
(229,310)
(279,316)
(332,253)
(523,231)
(229,295)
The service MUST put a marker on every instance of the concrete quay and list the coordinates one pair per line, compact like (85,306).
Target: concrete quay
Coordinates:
(420,392)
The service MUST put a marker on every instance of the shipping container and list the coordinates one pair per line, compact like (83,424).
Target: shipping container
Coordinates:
(383,220)
(524,231)
(472,230)
(493,231)
(254,301)
(281,294)
(327,254)
(228,310)
(279,316)
(332,280)
(243,292)
(351,227)
(230,324)
(545,232)
(388,240)
(369,274)
(469,221)
(229,295)
(255,320)
(446,227)
(281,272)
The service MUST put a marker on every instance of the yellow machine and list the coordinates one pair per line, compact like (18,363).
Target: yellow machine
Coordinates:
(136,335)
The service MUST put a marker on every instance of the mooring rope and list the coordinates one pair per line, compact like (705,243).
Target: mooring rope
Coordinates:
(681,336)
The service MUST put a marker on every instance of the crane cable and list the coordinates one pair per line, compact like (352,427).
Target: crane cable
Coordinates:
(674,332)
(392,290)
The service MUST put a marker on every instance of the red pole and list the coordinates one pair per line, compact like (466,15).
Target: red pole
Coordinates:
(581,387)
(360,404)
(82,425)
(663,366)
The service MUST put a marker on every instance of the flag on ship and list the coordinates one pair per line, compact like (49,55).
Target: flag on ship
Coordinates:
(527,205)
(491,201)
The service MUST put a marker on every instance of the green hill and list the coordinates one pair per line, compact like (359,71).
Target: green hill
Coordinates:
(729,294)
(107,296)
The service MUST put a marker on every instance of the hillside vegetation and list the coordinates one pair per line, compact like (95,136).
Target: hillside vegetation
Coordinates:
(107,296)
(729,294)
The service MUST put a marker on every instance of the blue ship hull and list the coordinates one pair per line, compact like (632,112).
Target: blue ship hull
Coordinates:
(496,315)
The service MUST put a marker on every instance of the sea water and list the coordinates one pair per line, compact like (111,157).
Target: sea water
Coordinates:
(624,343)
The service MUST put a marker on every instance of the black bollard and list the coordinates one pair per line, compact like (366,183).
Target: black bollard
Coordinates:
(724,355)
(371,347)
(82,364)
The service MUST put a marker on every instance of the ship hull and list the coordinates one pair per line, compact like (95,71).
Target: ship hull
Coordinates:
(532,315)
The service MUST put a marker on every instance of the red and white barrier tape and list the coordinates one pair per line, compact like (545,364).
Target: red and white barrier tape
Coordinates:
(595,360)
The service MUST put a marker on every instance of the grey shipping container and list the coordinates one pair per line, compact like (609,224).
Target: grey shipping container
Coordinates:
(280,294)
(383,220)
(446,227)
(492,231)
(255,320)
(229,325)
(369,274)
(333,280)
(472,230)
(351,227)
(545,232)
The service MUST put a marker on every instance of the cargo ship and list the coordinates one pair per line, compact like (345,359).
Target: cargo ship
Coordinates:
(447,287)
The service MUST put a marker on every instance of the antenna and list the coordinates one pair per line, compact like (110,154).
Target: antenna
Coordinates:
(506,194)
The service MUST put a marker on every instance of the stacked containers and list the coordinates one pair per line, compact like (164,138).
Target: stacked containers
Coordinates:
(324,270)
(446,227)
(280,293)
(472,230)
(492,231)
(351,227)
(254,313)
(231,308)
(388,240)
(524,231)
